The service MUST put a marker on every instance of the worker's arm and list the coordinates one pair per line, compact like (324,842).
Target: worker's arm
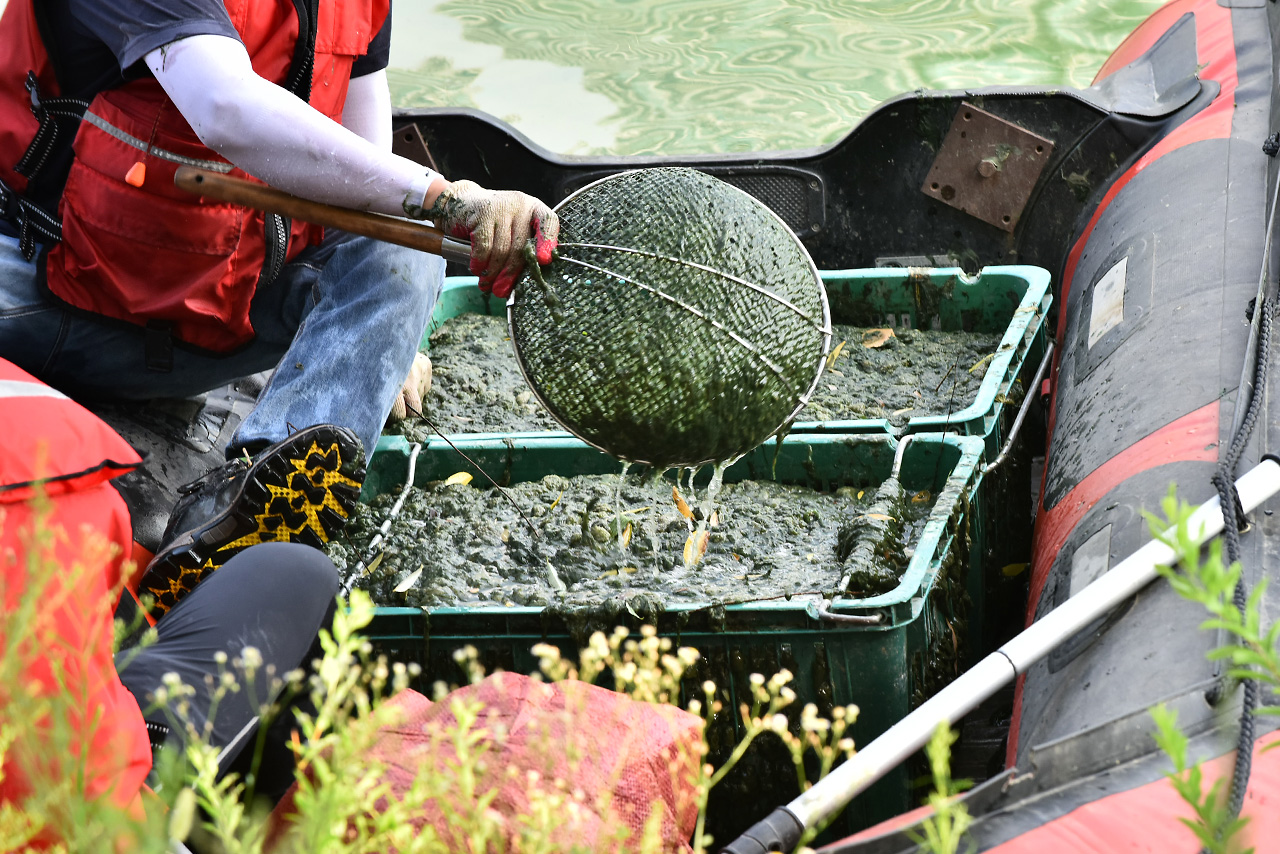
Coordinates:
(273,135)
(367,112)
(270,133)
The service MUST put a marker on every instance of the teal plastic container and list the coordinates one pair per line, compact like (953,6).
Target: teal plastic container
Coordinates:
(1010,299)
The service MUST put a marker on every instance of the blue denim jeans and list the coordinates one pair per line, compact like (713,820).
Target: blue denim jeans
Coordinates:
(340,324)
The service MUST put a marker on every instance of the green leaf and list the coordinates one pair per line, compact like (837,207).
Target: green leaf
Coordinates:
(1168,736)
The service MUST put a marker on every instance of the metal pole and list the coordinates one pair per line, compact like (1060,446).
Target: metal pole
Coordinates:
(1031,394)
(782,829)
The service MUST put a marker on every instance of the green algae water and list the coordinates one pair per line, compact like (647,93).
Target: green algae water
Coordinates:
(670,77)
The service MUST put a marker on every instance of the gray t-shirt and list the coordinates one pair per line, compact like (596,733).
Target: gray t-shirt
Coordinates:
(98,45)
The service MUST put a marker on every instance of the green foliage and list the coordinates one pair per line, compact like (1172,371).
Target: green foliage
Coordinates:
(1201,575)
(944,830)
(1251,648)
(343,803)
(1213,825)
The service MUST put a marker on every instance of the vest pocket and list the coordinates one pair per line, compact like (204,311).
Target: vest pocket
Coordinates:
(137,256)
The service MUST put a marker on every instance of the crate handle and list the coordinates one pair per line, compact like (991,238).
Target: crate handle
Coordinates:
(824,612)
(1022,410)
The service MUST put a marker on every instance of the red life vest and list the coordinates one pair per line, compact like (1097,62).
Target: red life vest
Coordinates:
(153,254)
(49,438)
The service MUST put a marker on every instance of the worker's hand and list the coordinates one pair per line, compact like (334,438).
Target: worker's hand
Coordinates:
(499,223)
(414,390)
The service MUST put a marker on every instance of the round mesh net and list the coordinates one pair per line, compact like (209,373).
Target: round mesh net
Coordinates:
(682,322)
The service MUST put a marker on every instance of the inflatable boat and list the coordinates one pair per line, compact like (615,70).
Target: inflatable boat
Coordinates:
(1164,275)
(1150,198)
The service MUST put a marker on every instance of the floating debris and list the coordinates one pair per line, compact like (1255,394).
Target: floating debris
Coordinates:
(681,504)
(409,580)
(695,547)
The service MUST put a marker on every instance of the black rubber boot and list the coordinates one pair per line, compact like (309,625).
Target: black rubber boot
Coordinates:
(301,489)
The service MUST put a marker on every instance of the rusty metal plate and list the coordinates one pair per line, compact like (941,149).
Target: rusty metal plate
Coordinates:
(408,142)
(987,167)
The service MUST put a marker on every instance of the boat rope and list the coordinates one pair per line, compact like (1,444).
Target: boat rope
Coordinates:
(1233,524)
(1261,316)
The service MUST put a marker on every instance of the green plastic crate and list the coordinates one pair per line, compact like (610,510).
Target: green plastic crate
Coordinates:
(886,667)
(1012,299)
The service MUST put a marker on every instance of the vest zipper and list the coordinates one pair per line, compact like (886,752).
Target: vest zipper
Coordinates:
(299,83)
(298,80)
(277,229)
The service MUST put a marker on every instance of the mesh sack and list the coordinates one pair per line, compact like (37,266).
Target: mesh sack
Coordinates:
(682,322)
(620,761)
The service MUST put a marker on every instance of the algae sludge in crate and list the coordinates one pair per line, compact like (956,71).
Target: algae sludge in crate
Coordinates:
(476,384)
(875,373)
(952,349)
(891,650)
(609,545)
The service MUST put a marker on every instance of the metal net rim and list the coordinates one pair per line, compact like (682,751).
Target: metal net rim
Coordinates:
(824,329)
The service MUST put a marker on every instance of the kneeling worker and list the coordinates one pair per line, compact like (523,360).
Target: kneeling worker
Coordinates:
(116,284)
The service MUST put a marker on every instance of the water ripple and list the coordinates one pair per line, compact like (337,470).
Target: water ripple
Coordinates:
(703,76)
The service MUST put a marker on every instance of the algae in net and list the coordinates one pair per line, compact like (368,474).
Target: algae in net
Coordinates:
(681,322)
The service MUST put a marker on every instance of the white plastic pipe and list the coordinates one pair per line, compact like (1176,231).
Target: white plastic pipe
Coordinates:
(999,668)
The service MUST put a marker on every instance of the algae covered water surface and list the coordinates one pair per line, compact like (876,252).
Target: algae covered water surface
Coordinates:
(704,76)
(608,545)
(477,386)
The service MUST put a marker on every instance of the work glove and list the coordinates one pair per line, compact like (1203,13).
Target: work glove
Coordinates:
(414,390)
(499,223)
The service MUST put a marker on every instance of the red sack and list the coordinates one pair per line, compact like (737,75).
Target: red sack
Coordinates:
(621,758)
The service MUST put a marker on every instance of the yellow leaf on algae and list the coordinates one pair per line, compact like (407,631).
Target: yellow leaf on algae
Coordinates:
(875,338)
(409,580)
(695,547)
(625,539)
(462,477)
(981,363)
(835,354)
(680,503)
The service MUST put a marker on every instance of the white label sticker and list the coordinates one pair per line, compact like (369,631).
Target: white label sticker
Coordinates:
(1108,302)
(1090,560)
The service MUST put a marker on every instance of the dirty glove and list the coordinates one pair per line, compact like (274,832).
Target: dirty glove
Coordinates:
(499,223)
(414,390)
